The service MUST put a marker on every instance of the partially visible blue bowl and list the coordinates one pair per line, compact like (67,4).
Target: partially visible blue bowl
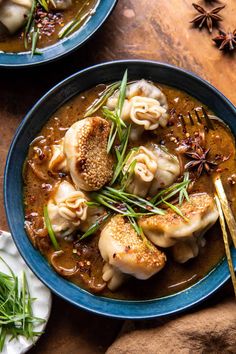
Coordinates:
(13,182)
(62,47)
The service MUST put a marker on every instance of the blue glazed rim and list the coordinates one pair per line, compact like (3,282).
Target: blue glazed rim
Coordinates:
(64,46)
(44,108)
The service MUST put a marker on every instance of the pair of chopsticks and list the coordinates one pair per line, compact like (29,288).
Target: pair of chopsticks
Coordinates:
(226,217)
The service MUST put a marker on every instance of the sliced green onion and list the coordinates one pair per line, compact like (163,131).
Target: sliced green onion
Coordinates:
(29,22)
(103,96)
(96,226)
(184,191)
(111,138)
(35,37)
(121,161)
(74,24)
(175,209)
(127,177)
(49,228)
(16,315)
(44,4)
(122,94)
(168,192)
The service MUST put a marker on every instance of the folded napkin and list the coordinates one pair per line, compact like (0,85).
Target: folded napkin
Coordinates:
(208,331)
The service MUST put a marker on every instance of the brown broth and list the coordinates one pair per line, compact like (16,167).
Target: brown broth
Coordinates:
(174,277)
(15,43)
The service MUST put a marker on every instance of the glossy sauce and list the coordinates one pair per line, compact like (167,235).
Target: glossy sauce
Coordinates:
(174,277)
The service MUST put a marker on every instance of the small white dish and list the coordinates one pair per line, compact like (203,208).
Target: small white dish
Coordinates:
(41,306)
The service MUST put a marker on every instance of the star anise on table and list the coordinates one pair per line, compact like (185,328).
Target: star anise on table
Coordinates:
(226,40)
(199,161)
(207,18)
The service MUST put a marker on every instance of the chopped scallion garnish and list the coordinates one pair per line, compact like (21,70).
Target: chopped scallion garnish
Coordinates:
(49,228)
(120,154)
(184,191)
(74,24)
(96,226)
(101,100)
(16,315)
(175,209)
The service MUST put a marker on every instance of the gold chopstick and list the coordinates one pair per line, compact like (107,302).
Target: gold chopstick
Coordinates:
(226,242)
(228,214)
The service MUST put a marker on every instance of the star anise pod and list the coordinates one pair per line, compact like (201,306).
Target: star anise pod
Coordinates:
(226,40)
(207,18)
(199,161)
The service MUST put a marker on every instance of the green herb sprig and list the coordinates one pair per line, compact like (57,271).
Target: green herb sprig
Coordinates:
(96,226)
(125,203)
(77,21)
(183,194)
(168,193)
(49,228)
(100,101)
(115,116)
(16,315)
(120,155)
(31,34)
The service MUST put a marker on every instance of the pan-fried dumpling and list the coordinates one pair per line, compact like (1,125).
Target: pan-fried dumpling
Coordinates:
(154,168)
(85,147)
(127,253)
(183,251)
(145,107)
(13,14)
(67,208)
(166,230)
(58,158)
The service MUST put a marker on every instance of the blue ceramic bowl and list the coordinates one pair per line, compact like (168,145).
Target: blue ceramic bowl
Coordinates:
(30,127)
(63,47)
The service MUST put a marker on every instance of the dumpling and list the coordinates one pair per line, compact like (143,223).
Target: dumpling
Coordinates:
(58,159)
(166,230)
(145,107)
(183,251)
(125,252)
(155,168)
(85,147)
(67,208)
(13,15)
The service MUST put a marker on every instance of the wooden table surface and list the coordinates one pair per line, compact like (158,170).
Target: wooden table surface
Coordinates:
(147,29)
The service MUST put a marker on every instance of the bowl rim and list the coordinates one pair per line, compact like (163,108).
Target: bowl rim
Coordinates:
(74,42)
(98,304)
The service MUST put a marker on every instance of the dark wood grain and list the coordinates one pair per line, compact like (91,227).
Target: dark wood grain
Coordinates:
(157,30)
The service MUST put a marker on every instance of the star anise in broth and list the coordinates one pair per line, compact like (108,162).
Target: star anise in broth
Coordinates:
(226,40)
(199,161)
(207,18)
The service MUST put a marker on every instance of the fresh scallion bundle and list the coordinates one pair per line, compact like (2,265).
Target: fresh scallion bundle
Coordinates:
(16,315)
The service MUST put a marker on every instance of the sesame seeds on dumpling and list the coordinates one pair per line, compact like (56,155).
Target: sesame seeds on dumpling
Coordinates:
(85,146)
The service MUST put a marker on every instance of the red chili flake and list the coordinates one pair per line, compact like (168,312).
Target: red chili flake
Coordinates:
(127,248)
(46,21)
